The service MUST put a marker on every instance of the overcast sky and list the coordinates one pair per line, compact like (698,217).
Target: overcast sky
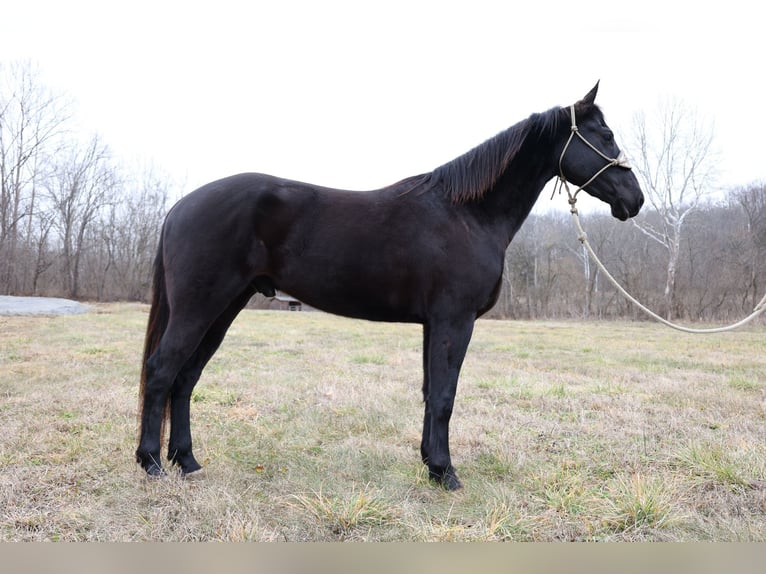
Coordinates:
(361,94)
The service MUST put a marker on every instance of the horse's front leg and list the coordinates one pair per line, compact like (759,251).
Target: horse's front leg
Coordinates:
(444,350)
(427,416)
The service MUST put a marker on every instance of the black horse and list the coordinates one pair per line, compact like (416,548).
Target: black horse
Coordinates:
(428,250)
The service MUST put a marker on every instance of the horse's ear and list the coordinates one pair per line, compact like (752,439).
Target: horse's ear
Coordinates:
(590,97)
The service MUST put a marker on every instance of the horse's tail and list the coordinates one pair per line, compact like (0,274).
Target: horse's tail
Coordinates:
(159,313)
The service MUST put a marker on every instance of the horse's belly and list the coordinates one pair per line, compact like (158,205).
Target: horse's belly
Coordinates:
(362,295)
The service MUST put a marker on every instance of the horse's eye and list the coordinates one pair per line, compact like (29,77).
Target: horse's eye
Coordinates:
(608,136)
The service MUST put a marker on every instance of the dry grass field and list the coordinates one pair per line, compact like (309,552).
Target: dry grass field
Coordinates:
(309,428)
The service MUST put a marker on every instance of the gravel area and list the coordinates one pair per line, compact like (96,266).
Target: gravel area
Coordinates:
(40,306)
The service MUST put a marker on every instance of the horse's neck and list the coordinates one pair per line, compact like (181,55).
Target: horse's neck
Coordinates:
(515,193)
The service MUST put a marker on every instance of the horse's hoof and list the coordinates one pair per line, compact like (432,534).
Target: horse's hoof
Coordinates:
(155,471)
(447,479)
(190,468)
(451,483)
(186,463)
(197,474)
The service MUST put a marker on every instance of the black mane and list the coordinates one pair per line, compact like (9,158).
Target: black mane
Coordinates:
(471,175)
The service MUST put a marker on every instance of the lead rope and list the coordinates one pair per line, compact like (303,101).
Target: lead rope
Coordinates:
(621,161)
(583,238)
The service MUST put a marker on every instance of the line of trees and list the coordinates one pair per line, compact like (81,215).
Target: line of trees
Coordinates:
(74,222)
(720,273)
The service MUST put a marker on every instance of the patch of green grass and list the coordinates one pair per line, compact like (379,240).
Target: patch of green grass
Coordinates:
(494,464)
(608,388)
(214,394)
(494,383)
(637,503)
(358,510)
(559,391)
(566,494)
(710,463)
(369,359)
(503,523)
(744,384)
(68,415)
(95,351)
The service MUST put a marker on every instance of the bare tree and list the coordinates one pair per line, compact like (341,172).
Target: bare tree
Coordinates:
(130,233)
(674,159)
(31,118)
(752,200)
(83,183)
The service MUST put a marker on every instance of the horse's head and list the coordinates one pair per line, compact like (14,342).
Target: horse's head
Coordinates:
(590,159)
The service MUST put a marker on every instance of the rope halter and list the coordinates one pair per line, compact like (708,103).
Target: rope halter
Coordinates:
(620,161)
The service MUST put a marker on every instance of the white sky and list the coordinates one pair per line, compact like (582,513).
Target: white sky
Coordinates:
(361,94)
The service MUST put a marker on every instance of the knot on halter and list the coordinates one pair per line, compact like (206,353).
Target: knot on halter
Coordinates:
(572,203)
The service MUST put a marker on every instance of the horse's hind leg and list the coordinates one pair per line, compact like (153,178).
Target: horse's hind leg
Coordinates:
(180,443)
(177,345)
